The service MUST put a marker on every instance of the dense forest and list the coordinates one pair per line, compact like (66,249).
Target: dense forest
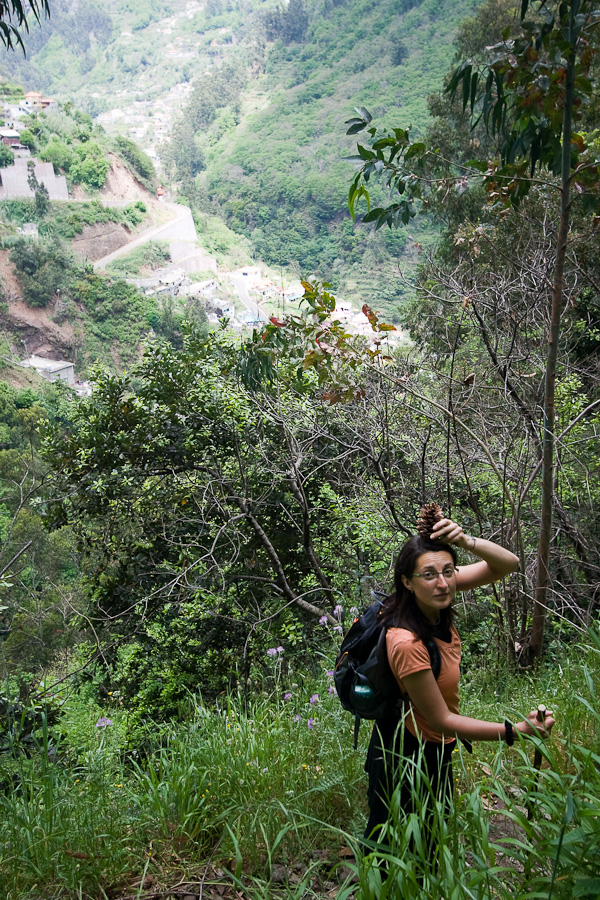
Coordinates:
(180,552)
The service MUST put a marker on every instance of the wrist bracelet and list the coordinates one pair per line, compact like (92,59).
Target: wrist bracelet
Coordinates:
(509,737)
(473,544)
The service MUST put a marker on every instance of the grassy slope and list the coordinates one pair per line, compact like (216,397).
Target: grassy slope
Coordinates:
(271,782)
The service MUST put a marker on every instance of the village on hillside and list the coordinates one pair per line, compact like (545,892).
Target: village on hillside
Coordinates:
(246,297)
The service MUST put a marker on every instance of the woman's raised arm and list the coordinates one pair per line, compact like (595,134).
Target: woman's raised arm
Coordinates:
(496,562)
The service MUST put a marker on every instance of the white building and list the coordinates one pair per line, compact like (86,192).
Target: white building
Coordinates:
(344,310)
(28,229)
(204,288)
(51,369)
(294,292)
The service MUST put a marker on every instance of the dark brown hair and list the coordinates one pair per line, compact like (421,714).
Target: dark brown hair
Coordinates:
(400,610)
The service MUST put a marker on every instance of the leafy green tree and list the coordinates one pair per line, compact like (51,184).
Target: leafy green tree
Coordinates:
(210,511)
(40,191)
(213,8)
(59,153)
(139,161)
(533,107)
(529,97)
(90,166)
(42,269)
(399,52)
(7,157)
(28,139)
(38,567)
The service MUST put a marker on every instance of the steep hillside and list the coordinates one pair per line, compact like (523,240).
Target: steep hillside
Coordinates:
(52,304)
(130,61)
(257,94)
(274,158)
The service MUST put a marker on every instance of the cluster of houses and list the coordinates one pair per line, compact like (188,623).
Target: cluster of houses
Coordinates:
(355,321)
(268,290)
(175,283)
(15,112)
(147,121)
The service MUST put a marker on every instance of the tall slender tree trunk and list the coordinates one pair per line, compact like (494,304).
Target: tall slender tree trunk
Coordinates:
(548,449)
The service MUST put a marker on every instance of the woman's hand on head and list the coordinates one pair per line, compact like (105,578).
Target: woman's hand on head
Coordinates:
(448,532)
(532,726)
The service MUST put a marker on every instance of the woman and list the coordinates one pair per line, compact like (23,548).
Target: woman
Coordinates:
(426,580)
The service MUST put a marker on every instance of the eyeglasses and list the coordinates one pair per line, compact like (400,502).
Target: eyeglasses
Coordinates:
(431,575)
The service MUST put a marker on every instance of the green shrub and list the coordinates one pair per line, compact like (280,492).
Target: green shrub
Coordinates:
(28,139)
(7,157)
(138,161)
(42,269)
(59,154)
(151,256)
(90,166)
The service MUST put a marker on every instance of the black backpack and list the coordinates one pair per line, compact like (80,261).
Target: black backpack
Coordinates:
(363,678)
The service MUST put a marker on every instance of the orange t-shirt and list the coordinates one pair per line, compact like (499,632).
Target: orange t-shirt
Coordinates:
(408,655)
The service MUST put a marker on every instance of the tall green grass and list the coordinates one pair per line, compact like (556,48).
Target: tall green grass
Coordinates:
(252,788)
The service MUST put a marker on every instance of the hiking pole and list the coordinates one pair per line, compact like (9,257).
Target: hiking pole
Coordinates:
(537,760)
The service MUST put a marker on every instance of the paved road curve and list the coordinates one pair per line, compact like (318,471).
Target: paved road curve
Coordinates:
(180,228)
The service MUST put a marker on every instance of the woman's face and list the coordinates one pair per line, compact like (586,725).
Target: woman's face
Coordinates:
(433,583)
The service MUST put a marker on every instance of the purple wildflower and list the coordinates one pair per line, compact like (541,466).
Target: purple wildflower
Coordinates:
(272,651)
(338,611)
(103,722)
(287,696)
(297,718)
(329,673)
(338,629)
(331,689)
(310,723)
(323,620)
(314,699)
(280,649)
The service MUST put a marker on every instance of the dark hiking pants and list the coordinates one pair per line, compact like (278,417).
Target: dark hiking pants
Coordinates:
(392,759)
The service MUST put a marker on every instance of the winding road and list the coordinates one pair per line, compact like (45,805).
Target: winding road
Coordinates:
(180,228)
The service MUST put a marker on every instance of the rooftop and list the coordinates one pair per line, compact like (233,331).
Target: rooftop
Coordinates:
(15,184)
(47,365)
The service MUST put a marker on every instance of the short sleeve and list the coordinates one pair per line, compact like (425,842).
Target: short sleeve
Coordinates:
(405,654)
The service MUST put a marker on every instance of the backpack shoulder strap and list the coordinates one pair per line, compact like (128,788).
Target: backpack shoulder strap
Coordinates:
(435,656)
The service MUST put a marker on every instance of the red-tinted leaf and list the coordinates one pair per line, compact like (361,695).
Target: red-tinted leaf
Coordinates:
(371,316)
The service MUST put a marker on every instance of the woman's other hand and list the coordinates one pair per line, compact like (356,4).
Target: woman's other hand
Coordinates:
(532,726)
